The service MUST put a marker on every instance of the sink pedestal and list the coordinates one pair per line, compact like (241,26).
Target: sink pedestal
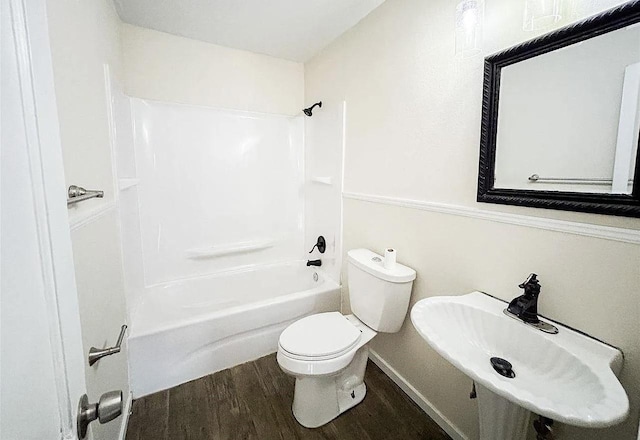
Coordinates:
(500,418)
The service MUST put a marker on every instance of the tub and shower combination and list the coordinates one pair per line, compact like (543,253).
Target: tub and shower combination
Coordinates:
(214,209)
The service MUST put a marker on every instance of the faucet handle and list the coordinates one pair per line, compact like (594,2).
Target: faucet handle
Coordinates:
(532,278)
(531,285)
(321,244)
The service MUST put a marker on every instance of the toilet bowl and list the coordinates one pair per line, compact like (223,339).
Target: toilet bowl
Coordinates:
(327,352)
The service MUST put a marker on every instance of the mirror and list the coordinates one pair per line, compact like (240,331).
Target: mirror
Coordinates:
(561,118)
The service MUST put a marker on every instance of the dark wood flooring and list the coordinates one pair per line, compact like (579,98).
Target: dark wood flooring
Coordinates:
(253,401)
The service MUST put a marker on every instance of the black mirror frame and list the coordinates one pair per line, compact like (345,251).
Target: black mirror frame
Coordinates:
(612,204)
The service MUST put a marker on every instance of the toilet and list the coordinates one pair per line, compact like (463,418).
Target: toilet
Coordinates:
(327,352)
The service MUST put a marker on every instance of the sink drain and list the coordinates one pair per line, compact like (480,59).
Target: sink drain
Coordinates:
(503,367)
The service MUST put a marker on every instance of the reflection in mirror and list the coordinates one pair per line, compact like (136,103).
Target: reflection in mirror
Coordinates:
(561,118)
(569,119)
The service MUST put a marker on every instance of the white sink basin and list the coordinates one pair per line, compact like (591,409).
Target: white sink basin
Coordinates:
(568,377)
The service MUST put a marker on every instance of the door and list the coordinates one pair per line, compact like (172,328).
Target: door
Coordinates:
(41,360)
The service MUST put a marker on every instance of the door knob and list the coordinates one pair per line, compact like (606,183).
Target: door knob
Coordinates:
(108,408)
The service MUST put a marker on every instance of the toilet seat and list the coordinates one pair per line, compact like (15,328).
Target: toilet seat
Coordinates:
(331,339)
(318,337)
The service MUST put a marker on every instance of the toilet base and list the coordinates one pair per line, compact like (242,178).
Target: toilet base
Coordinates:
(348,400)
(318,400)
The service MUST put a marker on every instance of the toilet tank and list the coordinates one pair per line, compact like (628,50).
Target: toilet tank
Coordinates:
(379,297)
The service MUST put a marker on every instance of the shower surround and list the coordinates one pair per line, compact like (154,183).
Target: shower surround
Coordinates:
(213,209)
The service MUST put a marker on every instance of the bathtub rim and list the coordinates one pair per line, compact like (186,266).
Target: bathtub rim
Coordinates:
(235,271)
(327,285)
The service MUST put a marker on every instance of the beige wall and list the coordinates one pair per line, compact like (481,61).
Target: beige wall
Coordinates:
(588,283)
(84,37)
(413,132)
(166,67)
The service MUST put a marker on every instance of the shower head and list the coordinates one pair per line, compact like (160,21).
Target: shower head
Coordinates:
(308,111)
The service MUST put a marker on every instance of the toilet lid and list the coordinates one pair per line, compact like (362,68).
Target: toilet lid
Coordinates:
(320,335)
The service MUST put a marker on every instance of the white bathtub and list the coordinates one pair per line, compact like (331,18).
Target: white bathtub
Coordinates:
(184,330)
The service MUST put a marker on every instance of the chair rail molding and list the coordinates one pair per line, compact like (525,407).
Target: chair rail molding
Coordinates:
(577,228)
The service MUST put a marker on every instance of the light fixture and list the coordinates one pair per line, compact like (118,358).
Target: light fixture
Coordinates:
(469,24)
(541,14)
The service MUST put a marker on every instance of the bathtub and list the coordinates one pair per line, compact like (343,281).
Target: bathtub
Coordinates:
(184,330)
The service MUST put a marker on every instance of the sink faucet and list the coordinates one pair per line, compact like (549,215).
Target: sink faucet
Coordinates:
(314,263)
(525,307)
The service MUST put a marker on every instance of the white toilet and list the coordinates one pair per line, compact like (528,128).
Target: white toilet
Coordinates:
(327,352)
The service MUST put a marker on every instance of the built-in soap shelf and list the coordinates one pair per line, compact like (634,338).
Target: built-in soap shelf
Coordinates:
(127,183)
(324,180)
(242,247)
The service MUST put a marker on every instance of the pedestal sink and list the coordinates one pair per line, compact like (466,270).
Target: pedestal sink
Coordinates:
(568,377)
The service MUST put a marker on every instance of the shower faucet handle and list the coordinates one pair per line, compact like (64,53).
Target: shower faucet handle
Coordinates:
(321,244)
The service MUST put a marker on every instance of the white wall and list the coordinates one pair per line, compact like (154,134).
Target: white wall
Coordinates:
(27,376)
(121,122)
(168,68)
(85,37)
(98,262)
(218,189)
(172,69)
(412,132)
(324,138)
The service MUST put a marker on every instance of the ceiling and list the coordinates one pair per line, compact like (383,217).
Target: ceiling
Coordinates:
(290,29)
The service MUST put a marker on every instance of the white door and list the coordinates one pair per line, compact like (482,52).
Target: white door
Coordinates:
(41,359)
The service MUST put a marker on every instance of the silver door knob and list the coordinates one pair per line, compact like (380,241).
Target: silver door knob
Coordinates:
(108,408)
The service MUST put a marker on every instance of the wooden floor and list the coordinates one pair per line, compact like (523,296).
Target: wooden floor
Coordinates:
(253,401)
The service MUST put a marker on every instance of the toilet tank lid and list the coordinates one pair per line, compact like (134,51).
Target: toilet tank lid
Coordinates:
(374,264)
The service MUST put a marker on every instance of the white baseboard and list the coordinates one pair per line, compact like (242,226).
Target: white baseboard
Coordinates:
(446,424)
(126,412)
